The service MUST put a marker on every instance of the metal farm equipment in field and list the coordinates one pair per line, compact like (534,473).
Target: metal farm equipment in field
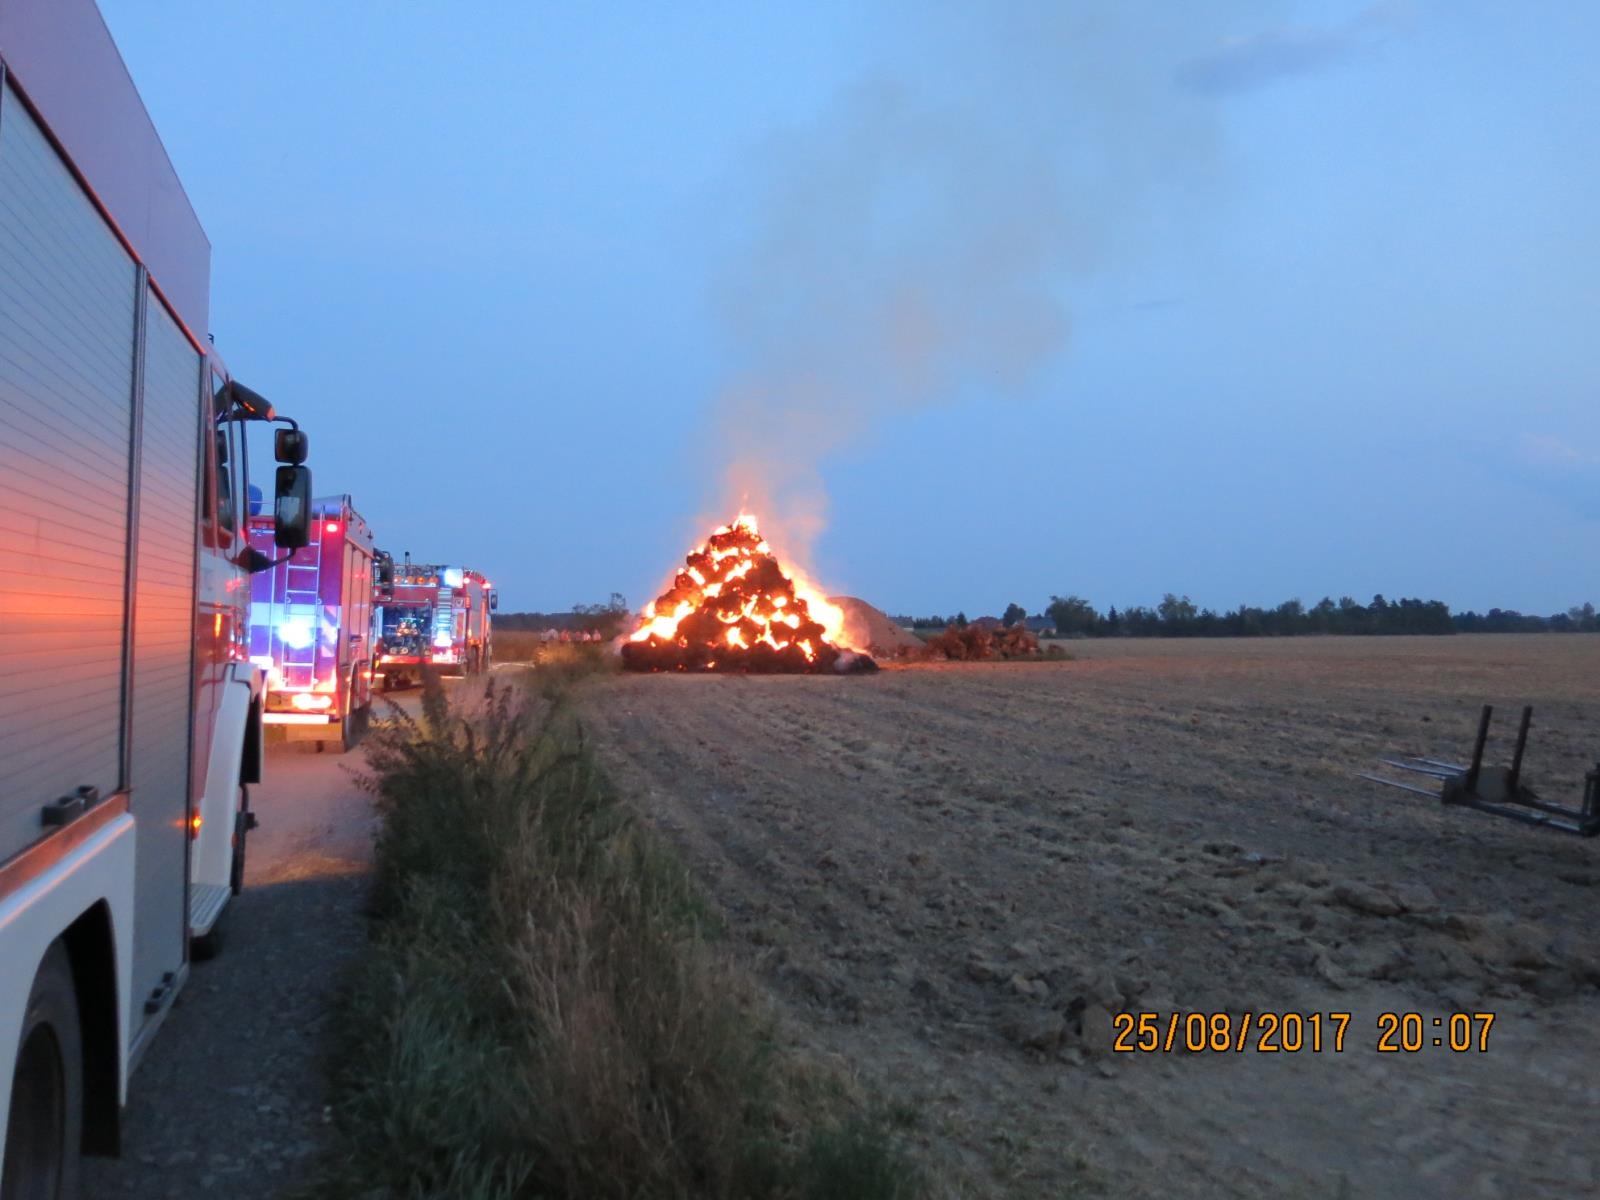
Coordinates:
(1499,790)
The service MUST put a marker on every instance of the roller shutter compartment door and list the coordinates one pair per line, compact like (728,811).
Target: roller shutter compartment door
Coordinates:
(67,311)
(163,646)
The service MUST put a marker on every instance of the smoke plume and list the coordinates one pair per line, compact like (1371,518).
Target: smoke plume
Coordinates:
(915,245)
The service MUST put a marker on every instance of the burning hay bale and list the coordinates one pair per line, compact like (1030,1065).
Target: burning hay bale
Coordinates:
(733,608)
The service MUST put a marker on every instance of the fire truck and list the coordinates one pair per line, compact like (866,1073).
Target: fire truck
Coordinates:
(130,713)
(311,626)
(426,615)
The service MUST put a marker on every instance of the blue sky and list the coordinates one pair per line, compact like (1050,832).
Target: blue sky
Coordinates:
(981,303)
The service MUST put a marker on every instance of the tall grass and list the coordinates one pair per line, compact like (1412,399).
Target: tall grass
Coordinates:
(526,646)
(542,1013)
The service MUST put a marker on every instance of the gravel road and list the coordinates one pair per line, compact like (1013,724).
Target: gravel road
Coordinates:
(230,1099)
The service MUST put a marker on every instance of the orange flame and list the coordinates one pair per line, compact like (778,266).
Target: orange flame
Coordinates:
(734,601)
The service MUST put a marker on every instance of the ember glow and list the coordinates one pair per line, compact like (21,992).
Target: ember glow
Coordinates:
(733,608)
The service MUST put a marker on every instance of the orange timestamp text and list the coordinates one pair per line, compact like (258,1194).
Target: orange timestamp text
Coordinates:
(1295,1032)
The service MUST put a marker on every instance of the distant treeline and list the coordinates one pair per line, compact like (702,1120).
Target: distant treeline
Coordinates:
(1177,616)
(609,619)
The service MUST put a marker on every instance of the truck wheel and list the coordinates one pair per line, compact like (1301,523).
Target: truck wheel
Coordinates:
(208,945)
(45,1132)
(352,729)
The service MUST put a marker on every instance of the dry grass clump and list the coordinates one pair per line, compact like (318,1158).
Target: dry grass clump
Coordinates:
(542,1014)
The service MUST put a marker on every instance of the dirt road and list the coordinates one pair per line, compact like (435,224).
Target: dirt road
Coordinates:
(229,1100)
(954,876)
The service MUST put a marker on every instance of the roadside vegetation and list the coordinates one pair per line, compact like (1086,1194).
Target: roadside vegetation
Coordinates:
(544,1011)
(525,646)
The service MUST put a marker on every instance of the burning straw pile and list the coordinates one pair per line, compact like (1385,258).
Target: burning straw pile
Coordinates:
(732,608)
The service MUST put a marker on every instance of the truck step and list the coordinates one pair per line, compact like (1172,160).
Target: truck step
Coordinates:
(206,902)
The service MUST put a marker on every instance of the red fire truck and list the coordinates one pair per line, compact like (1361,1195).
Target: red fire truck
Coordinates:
(311,625)
(130,713)
(429,615)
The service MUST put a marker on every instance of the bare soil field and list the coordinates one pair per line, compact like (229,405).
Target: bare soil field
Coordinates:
(953,876)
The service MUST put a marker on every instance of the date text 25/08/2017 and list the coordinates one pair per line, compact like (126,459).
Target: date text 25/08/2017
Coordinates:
(1296,1032)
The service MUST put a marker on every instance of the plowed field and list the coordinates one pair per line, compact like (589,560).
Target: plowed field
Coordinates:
(954,877)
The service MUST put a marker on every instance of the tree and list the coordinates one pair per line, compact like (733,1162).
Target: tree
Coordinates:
(1013,614)
(1288,617)
(1140,621)
(1177,613)
(609,619)
(1072,615)
(961,620)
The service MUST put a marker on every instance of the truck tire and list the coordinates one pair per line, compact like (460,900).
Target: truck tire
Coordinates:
(353,728)
(208,945)
(45,1133)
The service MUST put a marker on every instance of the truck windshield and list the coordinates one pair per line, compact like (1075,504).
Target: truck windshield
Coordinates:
(405,628)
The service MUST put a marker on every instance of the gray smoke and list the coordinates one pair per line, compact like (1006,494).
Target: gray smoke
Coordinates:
(916,244)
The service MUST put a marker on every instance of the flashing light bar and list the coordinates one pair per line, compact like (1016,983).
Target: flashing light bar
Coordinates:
(454,577)
(296,632)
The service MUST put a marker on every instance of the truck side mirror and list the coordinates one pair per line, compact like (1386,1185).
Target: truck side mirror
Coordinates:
(290,446)
(291,507)
(494,601)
